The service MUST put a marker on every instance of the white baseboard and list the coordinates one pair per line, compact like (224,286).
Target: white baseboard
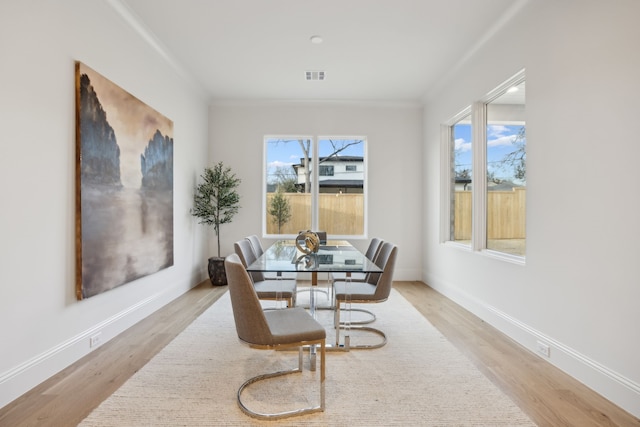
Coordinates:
(406,275)
(22,378)
(613,386)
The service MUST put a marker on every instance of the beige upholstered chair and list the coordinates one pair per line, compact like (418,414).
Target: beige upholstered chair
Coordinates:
(258,251)
(266,289)
(374,290)
(374,247)
(256,244)
(275,329)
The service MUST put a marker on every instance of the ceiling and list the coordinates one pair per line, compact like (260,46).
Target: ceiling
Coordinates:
(371,50)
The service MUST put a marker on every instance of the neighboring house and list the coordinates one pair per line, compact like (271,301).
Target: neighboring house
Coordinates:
(336,174)
(463,184)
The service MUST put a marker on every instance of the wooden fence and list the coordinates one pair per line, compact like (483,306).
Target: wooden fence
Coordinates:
(341,214)
(506,214)
(344,214)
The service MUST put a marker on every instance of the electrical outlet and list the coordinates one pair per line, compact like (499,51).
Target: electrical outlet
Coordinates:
(95,340)
(544,349)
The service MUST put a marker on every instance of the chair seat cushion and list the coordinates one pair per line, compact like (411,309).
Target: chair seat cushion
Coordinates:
(293,325)
(271,288)
(284,276)
(356,277)
(356,290)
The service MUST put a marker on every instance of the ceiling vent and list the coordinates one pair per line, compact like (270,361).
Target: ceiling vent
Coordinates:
(314,75)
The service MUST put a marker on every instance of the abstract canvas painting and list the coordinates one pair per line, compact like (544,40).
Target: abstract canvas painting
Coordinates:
(124,186)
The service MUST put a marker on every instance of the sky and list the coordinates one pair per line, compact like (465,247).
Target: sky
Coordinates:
(499,144)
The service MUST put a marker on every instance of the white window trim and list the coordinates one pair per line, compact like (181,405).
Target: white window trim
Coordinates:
(365,186)
(445,177)
(315,193)
(479,175)
(264,179)
(480,131)
(478,112)
(445,183)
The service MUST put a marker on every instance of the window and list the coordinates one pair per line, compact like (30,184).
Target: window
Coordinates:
(326,170)
(458,160)
(297,198)
(506,171)
(486,143)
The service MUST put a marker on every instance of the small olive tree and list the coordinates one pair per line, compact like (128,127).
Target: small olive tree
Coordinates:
(216,200)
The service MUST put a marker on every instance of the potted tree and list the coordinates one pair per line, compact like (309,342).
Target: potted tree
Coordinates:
(215,202)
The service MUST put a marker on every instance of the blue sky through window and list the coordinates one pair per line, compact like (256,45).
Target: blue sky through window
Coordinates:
(500,142)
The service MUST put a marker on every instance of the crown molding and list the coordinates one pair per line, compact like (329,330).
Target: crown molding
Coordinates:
(137,25)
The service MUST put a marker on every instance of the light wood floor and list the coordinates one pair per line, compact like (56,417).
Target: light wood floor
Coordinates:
(548,396)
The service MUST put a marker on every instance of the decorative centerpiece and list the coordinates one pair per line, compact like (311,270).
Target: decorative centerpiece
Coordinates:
(311,242)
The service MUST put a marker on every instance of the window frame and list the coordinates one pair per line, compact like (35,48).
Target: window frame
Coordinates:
(315,182)
(447,175)
(329,170)
(478,110)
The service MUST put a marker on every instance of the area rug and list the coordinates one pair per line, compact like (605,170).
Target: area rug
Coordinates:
(417,379)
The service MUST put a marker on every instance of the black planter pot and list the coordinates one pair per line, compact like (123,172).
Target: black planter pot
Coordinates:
(217,274)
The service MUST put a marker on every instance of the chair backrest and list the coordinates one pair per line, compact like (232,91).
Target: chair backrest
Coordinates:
(374,247)
(386,261)
(379,260)
(257,245)
(251,323)
(244,250)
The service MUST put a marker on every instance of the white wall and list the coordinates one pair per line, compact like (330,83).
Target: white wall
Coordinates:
(43,328)
(579,290)
(394,138)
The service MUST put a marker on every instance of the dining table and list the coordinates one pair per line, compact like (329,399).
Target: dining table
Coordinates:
(332,256)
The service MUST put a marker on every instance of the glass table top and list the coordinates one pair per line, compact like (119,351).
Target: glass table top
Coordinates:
(333,256)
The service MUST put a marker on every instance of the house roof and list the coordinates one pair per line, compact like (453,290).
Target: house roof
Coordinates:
(351,183)
(350,159)
(338,183)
